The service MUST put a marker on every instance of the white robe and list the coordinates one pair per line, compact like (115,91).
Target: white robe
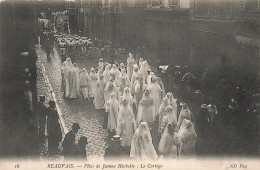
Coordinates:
(133,79)
(113,109)
(149,78)
(161,112)
(129,97)
(69,68)
(169,144)
(116,72)
(184,114)
(156,96)
(169,118)
(188,139)
(141,146)
(144,71)
(145,110)
(99,100)
(130,66)
(108,91)
(92,84)
(124,75)
(126,125)
(138,90)
(106,74)
(73,84)
(84,84)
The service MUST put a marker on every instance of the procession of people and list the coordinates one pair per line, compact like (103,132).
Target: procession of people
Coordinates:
(133,100)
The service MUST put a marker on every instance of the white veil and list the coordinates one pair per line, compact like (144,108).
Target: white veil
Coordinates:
(142,147)
(188,138)
(184,114)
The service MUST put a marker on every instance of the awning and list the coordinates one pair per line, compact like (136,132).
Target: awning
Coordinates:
(254,41)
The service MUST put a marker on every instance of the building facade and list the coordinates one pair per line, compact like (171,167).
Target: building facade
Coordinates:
(19,128)
(184,32)
(224,24)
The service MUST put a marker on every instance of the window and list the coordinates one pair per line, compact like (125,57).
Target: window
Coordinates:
(252,6)
(243,5)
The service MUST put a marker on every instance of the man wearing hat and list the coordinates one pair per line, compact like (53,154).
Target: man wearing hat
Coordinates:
(53,129)
(41,111)
(69,140)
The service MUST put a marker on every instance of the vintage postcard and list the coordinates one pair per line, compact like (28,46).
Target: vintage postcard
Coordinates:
(129,84)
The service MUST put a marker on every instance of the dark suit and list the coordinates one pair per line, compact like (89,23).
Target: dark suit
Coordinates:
(54,131)
(77,152)
(67,143)
(41,111)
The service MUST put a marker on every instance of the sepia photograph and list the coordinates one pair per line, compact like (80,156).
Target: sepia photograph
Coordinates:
(128,84)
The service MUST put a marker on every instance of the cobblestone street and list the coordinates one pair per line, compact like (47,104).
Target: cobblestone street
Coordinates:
(74,110)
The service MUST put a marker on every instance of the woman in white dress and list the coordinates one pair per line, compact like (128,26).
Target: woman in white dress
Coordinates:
(126,124)
(127,95)
(110,88)
(169,143)
(76,67)
(114,79)
(142,147)
(184,114)
(123,84)
(64,78)
(144,71)
(171,99)
(100,66)
(125,76)
(112,107)
(138,88)
(73,83)
(156,93)
(162,111)
(92,82)
(145,109)
(130,64)
(134,77)
(83,81)
(106,73)
(188,138)
(140,62)
(68,69)
(99,100)
(160,83)
(169,118)
(149,78)
(114,70)
(172,102)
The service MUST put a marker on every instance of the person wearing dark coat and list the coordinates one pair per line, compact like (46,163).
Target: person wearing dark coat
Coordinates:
(41,111)
(78,151)
(201,130)
(53,129)
(69,140)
